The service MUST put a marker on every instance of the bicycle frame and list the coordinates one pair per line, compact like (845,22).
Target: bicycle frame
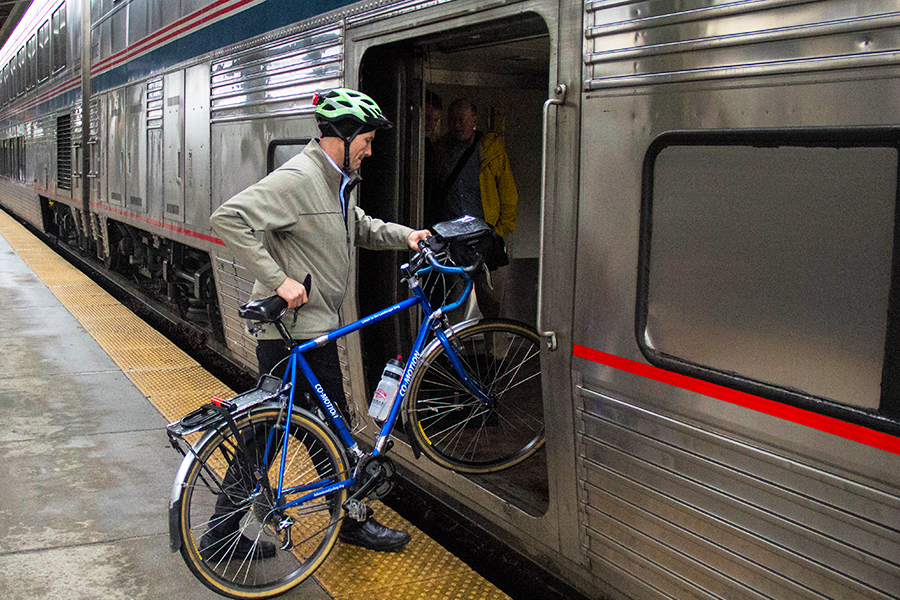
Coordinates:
(431,323)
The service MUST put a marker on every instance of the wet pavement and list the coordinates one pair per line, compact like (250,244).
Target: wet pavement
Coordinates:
(85,467)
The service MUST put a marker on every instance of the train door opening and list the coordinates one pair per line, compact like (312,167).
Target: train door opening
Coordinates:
(500,69)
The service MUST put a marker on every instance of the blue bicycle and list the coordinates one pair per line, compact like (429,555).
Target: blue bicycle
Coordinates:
(469,398)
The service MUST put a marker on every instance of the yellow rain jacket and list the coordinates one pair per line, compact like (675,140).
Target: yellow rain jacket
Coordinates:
(499,197)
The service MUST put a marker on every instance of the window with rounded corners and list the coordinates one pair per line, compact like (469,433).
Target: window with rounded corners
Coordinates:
(281,151)
(43,53)
(21,78)
(59,40)
(769,264)
(31,62)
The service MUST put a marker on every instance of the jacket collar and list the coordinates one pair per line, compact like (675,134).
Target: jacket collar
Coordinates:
(333,176)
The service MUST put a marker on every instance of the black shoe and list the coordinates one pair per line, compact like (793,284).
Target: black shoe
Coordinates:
(213,547)
(373,535)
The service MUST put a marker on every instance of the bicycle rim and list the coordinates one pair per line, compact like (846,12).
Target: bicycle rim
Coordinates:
(456,429)
(224,502)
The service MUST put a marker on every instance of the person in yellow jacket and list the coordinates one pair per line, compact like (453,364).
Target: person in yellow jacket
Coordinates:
(473,177)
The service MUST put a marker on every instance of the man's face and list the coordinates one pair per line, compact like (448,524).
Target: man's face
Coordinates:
(360,148)
(462,123)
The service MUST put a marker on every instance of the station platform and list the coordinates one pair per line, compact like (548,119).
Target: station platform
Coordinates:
(86,390)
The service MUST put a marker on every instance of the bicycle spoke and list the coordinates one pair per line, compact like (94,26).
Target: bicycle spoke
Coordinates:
(234,529)
(463,432)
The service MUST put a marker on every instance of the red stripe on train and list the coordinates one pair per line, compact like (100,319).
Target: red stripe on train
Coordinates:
(176,228)
(159,38)
(850,431)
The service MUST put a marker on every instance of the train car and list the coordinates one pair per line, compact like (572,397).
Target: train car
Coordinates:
(706,242)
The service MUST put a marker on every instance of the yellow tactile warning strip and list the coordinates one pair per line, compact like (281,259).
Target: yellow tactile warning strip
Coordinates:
(175,384)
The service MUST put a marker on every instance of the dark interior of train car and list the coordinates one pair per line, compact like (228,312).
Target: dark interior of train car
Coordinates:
(503,67)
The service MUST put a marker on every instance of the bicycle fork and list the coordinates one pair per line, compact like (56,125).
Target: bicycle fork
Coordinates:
(452,355)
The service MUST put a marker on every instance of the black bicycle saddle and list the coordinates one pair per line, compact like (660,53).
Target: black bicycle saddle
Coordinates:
(265,310)
(269,310)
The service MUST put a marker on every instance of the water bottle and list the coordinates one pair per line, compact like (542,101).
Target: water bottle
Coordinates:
(386,392)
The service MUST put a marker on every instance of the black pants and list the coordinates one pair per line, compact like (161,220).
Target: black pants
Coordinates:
(271,356)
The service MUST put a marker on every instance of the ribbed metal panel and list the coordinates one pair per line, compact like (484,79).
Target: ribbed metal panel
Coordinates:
(21,201)
(639,43)
(385,9)
(693,514)
(155,103)
(95,121)
(234,284)
(64,152)
(43,129)
(279,78)
(76,124)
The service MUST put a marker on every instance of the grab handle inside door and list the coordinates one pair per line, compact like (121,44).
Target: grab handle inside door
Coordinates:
(550,336)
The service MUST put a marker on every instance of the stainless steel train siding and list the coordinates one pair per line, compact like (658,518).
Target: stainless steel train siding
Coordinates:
(691,496)
(706,240)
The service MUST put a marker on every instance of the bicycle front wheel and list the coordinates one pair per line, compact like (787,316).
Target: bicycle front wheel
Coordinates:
(463,433)
(235,537)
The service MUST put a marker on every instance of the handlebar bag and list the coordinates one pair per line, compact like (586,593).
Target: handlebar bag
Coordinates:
(468,237)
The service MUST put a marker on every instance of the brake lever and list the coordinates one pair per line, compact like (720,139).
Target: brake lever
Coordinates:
(435,242)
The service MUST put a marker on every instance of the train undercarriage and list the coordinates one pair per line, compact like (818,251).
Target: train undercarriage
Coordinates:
(177,277)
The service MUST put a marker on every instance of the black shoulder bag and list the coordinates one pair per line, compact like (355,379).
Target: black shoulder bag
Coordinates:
(495,255)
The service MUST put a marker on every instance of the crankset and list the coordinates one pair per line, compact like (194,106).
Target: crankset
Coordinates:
(380,470)
(376,477)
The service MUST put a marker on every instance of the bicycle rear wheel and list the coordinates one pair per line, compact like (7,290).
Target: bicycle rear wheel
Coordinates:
(461,432)
(232,535)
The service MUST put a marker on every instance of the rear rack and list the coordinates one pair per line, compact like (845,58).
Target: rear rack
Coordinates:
(215,412)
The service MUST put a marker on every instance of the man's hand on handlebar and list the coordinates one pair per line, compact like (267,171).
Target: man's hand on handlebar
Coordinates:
(417,236)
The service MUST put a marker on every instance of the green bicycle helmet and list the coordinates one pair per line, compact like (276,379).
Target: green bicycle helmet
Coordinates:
(346,113)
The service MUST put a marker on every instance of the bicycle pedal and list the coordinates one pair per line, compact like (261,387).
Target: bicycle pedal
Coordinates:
(356,510)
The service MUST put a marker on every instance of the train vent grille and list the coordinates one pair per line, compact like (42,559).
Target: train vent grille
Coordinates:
(64,152)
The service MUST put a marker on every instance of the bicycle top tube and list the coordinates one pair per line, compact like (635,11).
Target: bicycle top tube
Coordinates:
(418,297)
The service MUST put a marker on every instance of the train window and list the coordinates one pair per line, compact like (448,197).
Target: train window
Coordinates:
(280,151)
(43,52)
(58,23)
(12,78)
(20,70)
(30,62)
(767,263)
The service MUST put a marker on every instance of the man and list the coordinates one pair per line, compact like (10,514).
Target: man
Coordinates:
(307,214)
(482,187)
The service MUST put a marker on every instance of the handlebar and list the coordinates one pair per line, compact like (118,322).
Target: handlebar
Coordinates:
(427,249)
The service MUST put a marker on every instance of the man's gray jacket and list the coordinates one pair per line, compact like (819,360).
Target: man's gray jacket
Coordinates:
(298,210)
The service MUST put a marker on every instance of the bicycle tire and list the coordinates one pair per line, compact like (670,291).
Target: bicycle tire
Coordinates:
(221,476)
(457,430)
